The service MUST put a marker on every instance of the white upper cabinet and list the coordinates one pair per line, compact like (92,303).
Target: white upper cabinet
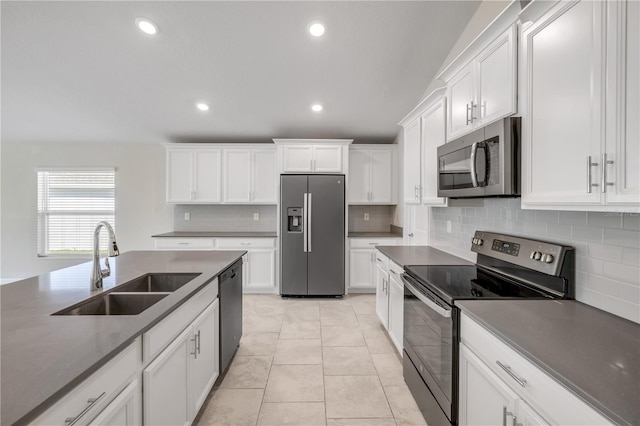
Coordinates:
(580,134)
(194,175)
(372,174)
(484,90)
(250,176)
(424,132)
(312,155)
(412,162)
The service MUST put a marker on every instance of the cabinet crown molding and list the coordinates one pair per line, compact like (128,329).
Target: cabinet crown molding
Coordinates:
(424,104)
(313,141)
(219,146)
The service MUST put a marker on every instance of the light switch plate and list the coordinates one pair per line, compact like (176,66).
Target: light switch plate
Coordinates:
(187,216)
(256,216)
(366,216)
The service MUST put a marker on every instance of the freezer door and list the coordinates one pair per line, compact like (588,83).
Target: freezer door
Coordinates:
(326,240)
(293,259)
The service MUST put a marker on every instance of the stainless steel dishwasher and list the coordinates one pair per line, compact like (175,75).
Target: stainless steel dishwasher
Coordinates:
(230,293)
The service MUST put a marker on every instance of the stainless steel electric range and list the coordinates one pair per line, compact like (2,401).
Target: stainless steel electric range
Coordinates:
(507,267)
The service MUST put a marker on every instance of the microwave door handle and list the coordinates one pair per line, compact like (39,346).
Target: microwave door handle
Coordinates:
(474,177)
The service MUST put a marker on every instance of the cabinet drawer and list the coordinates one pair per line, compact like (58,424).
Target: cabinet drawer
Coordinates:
(166,330)
(246,243)
(89,398)
(173,243)
(382,260)
(554,401)
(372,242)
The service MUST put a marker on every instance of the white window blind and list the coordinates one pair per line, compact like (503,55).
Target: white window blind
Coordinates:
(70,204)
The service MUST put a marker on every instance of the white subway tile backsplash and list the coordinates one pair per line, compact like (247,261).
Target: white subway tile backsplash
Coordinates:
(584,233)
(573,218)
(622,238)
(631,221)
(605,252)
(604,220)
(607,247)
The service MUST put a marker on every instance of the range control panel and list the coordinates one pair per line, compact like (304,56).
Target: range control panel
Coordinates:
(541,256)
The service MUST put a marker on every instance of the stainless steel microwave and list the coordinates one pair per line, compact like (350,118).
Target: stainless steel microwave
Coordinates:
(485,163)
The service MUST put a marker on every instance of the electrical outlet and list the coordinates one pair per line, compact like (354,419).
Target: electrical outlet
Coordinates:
(366,216)
(187,216)
(448,227)
(256,216)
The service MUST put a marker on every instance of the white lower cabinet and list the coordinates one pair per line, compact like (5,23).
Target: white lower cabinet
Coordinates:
(396,306)
(259,264)
(178,381)
(98,397)
(499,386)
(382,295)
(362,262)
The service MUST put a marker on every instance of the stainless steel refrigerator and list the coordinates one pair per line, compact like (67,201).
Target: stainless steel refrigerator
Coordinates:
(312,235)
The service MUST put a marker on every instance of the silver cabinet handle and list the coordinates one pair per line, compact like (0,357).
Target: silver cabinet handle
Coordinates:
(473,106)
(521,382)
(410,235)
(245,244)
(384,286)
(589,166)
(195,346)
(183,244)
(468,110)
(198,341)
(604,183)
(70,421)
(506,413)
(415,191)
(374,244)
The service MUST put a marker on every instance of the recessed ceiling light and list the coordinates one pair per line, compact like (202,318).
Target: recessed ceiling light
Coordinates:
(147,26)
(202,106)
(316,107)
(316,29)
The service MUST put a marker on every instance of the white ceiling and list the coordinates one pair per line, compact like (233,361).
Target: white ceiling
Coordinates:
(81,71)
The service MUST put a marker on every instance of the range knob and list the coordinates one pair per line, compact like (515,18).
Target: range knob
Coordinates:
(479,241)
(537,255)
(548,258)
(533,255)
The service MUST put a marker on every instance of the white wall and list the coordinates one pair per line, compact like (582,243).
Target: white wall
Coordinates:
(141,210)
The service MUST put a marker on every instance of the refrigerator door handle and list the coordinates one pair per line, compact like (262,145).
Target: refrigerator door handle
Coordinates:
(309,223)
(305,223)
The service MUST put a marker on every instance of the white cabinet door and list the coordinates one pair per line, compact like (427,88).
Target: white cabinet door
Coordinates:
(527,416)
(382,295)
(237,175)
(327,159)
(461,103)
(124,410)
(297,158)
(433,135)
(360,268)
(396,310)
(382,179)
(562,125)
(496,80)
(484,398)
(623,135)
(264,177)
(179,175)
(412,162)
(165,383)
(207,176)
(206,363)
(359,176)
(260,269)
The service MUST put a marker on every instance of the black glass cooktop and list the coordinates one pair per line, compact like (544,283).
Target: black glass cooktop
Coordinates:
(468,282)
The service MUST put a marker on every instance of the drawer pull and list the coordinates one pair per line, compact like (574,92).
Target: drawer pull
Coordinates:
(70,421)
(183,244)
(374,244)
(521,382)
(245,244)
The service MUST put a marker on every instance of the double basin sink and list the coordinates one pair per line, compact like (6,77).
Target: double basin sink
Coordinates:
(131,298)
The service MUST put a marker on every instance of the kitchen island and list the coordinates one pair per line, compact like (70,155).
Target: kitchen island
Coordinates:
(44,356)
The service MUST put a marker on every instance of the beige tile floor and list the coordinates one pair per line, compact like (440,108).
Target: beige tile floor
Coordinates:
(312,362)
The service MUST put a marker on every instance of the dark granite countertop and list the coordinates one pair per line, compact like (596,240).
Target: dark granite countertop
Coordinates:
(374,235)
(188,234)
(44,356)
(593,353)
(420,255)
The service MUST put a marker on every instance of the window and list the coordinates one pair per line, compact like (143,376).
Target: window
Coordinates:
(70,204)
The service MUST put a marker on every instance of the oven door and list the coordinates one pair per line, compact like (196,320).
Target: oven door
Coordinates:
(430,342)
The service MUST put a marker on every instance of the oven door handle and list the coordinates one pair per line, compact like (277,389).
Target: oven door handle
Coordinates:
(424,299)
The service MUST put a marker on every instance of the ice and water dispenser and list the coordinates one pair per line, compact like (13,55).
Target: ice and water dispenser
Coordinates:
(294,221)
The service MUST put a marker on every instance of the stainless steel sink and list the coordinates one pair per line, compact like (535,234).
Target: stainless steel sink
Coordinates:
(114,304)
(156,283)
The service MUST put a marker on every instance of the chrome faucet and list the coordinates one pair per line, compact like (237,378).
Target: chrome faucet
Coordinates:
(98,273)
